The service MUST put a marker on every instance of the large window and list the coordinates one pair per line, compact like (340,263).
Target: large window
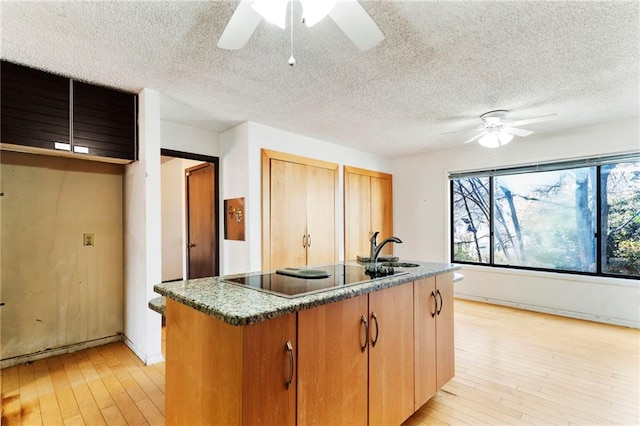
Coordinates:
(573,217)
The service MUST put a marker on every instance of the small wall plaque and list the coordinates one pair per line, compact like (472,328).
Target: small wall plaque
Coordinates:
(234,217)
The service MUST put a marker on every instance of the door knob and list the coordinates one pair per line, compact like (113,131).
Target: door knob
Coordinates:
(191,245)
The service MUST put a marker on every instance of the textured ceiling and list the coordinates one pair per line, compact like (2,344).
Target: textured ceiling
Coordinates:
(441,65)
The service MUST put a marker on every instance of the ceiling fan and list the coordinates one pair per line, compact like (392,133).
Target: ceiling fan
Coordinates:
(497,131)
(349,15)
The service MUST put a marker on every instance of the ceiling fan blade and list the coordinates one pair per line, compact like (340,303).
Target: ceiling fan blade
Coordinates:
(518,132)
(356,23)
(478,136)
(534,120)
(241,26)
(477,129)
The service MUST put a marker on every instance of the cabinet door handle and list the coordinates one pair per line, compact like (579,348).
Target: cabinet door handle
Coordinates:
(374,317)
(308,240)
(191,245)
(363,321)
(439,295)
(304,241)
(435,308)
(292,366)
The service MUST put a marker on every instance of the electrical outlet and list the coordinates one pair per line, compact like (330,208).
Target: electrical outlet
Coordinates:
(88,239)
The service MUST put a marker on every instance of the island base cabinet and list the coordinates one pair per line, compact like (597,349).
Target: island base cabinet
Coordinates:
(356,360)
(424,300)
(445,348)
(391,375)
(433,331)
(217,373)
(332,367)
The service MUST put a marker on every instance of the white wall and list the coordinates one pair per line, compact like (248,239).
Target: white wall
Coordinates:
(142,234)
(421,218)
(234,256)
(142,219)
(59,294)
(172,219)
(242,177)
(183,138)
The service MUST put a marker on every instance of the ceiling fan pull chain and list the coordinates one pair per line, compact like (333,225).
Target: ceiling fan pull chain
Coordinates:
(292,60)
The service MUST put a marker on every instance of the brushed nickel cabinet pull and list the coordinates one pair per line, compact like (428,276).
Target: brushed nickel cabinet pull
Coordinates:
(308,240)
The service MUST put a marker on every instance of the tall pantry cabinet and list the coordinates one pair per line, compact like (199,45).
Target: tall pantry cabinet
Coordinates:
(368,207)
(299,196)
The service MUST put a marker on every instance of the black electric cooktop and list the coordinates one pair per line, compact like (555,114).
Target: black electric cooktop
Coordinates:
(287,286)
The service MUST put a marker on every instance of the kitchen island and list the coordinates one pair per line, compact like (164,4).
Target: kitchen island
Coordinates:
(366,353)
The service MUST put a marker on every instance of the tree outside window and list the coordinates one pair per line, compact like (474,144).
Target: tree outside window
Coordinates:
(549,220)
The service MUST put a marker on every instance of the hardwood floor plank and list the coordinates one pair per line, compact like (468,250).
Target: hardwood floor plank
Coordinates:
(512,368)
(64,394)
(29,404)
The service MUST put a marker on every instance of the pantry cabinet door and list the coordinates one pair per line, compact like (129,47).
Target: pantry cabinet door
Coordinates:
(321,226)
(288,214)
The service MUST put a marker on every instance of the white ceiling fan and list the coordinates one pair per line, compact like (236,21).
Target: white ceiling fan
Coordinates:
(349,15)
(497,131)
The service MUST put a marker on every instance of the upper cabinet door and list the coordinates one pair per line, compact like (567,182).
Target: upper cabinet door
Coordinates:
(35,107)
(104,121)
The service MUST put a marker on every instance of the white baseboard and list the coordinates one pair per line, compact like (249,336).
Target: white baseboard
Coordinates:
(23,359)
(148,359)
(559,312)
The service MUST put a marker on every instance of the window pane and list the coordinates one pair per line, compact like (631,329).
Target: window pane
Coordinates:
(546,220)
(620,186)
(471,220)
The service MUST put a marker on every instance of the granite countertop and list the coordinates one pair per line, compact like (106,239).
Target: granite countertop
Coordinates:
(239,305)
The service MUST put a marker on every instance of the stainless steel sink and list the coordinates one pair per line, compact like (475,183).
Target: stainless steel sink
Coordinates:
(400,264)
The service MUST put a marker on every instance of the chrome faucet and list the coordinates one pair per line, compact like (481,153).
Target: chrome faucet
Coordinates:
(375,247)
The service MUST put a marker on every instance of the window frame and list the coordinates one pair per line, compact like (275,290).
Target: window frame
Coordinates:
(566,165)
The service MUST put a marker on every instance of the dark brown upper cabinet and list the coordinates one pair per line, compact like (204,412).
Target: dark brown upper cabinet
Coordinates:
(35,107)
(104,121)
(47,111)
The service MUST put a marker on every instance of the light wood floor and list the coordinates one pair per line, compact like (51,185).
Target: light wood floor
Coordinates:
(512,367)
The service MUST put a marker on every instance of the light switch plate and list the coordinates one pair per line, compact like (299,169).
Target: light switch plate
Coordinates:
(88,239)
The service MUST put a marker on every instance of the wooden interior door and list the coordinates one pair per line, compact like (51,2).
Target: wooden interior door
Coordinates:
(201,229)
(382,210)
(357,215)
(391,375)
(332,368)
(288,214)
(320,216)
(444,330)
(424,300)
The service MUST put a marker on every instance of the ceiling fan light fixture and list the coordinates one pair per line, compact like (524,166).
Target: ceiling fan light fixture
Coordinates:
(490,140)
(504,137)
(274,11)
(315,11)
